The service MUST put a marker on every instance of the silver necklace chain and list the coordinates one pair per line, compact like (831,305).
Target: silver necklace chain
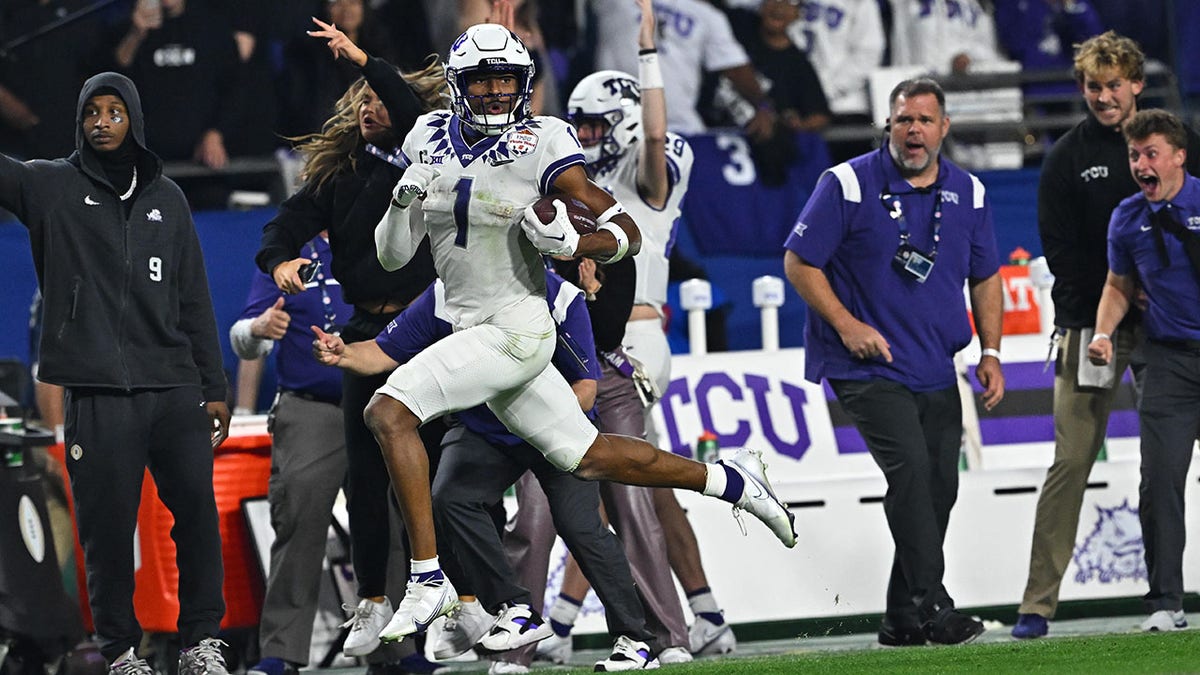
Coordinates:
(132,186)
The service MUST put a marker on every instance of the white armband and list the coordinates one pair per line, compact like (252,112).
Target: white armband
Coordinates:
(988,351)
(649,74)
(622,241)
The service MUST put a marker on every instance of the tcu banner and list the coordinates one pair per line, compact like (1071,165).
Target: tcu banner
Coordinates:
(758,400)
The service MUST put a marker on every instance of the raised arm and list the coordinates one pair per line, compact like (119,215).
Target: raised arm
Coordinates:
(653,181)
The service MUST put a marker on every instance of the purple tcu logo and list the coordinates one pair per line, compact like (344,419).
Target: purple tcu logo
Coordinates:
(1113,551)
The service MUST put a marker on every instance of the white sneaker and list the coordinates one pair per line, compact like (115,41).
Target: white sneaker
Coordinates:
(506,667)
(516,626)
(365,623)
(1165,620)
(203,659)
(556,649)
(463,627)
(422,603)
(129,664)
(627,654)
(674,655)
(706,637)
(759,499)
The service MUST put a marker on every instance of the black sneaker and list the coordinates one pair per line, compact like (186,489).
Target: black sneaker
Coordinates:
(900,633)
(951,627)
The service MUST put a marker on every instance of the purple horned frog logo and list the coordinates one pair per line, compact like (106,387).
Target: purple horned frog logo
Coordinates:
(1113,551)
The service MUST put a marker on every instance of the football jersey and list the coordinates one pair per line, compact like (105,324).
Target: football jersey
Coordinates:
(692,37)
(656,225)
(844,40)
(473,210)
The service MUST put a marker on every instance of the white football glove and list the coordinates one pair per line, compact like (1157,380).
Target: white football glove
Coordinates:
(557,237)
(417,178)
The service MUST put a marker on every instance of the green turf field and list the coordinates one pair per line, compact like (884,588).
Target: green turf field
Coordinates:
(1123,653)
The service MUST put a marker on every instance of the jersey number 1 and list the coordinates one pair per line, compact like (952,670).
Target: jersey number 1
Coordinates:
(462,198)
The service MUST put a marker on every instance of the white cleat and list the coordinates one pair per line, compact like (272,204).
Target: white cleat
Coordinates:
(706,637)
(556,649)
(672,655)
(517,626)
(759,499)
(1165,620)
(627,654)
(368,619)
(423,602)
(463,628)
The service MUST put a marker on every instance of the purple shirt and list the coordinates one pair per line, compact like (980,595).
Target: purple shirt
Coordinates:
(1171,285)
(320,304)
(424,323)
(848,232)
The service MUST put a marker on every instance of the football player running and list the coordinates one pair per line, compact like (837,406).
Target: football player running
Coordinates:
(474,174)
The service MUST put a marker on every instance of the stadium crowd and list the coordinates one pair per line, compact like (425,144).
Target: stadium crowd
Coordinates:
(223,80)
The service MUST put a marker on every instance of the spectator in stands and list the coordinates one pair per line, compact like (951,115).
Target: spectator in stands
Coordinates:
(308,451)
(522,17)
(1040,34)
(892,368)
(256,130)
(844,41)
(1147,22)
(312,82)
(408,23)
(790,80)
(150,395)
(187,56)
(946,36)
(785,73)
(1165,265)
(694,37)
(1083,179)
(351,168)
(39,79)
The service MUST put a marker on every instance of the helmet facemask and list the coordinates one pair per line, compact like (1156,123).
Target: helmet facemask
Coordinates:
(489,49)
(614,99)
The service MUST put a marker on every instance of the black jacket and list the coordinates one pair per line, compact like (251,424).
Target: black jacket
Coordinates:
(1085,175)
(126,301)
(350,205)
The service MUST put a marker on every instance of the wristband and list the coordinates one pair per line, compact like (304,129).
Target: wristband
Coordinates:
(988,351)
(1101,336)
(610,213)
(622,241)
(649,74)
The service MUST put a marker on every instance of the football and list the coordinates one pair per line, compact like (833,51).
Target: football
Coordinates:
(577,212)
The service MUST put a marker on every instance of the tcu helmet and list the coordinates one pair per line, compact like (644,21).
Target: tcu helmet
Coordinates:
(614,98)
(491,48)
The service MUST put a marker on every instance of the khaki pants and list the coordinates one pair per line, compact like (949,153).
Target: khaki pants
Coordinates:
(1080,421)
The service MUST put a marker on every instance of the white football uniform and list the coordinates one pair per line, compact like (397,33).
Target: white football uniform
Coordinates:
(494,281)
(645,339)
(844,40)
(656,225)
(693,37)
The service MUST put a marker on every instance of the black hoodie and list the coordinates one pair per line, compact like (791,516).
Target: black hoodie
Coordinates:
(126,300)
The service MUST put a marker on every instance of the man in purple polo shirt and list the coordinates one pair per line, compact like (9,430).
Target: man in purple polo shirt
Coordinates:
(1154,239)
(880,254)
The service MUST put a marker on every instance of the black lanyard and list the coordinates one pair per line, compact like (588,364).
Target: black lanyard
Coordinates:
(326,301)
(891,202)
